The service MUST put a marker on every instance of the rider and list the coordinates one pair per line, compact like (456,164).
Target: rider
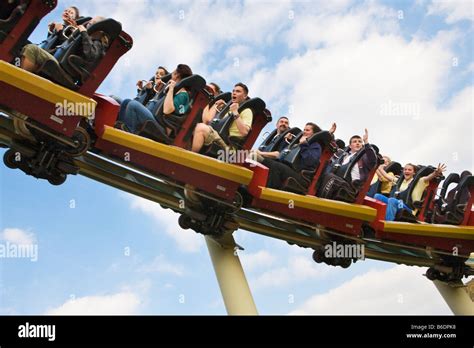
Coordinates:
(69,17)
(133,115)
(360,171)
(387,180)
(150,88)
(205,135)
(282,125)
(216,90)
(93,48)
(395,205)
(310,154)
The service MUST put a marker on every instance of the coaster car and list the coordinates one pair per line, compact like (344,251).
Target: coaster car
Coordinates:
(18,19)
(54,120)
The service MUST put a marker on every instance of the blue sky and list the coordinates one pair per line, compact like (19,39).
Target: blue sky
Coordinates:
(103,251)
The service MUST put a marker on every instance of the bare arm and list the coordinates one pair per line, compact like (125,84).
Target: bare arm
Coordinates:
(168,106)
(438,172)
(383,175)
(210,112)
(242,127)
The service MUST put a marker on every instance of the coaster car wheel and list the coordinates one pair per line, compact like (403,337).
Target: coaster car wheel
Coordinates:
(432,274)
(9,158)
(82,140)
(57,179)
(346,263)
(318,256)
(184,222)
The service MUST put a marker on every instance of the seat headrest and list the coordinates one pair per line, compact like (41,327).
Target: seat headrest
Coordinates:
(340,143)
(268,115)
(256,104)
(193,82)
(294,130)
(424,171)
(467,181)
(226,96)
(109,26)
(82,20)
(323,138)
(166,78)
(453,178)
(394,167)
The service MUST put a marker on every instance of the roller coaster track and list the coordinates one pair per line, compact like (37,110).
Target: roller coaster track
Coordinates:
(170,195)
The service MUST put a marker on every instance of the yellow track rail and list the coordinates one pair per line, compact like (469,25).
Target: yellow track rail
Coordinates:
(178,155)
(430,230)
(342,209)
(45,89)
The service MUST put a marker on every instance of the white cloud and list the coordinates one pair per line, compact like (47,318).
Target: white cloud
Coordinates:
(17,236)
(161,265)
(167,221)
(299,268)
(456,122)
(329,6)
(329,28)
(123,303)
(238,68)
(188,32)
(260,259)
(399,290)
(454,10)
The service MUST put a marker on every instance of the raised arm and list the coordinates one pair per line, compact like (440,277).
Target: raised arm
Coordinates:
(370,157)
(384,176)
(438,172)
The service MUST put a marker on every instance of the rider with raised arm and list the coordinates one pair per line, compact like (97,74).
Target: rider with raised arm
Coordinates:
(386,180)
(396,204)
(360,171)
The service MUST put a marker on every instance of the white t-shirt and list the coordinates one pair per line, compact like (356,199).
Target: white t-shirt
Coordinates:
(355,174)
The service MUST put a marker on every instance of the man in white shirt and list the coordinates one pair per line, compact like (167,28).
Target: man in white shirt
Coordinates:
(360,171)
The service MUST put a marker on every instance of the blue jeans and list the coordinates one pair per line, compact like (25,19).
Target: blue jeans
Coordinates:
(134,114)
(372,190)
(393,206)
